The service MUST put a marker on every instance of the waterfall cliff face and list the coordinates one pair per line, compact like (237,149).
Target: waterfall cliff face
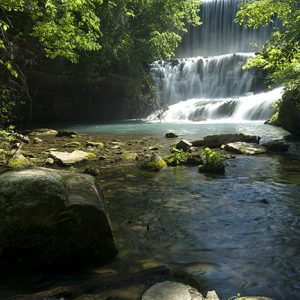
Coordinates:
(207,81)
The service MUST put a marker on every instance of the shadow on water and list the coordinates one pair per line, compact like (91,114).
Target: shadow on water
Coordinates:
(245,225)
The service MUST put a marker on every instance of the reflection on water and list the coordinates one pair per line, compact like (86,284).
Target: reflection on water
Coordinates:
(186,129)
(245,224)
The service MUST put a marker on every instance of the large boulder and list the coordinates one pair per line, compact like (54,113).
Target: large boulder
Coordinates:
(289,111)
(216,141)
(52,218)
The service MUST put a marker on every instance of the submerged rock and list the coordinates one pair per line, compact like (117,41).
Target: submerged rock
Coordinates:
(52,218)
(169,290)
(171,135)
(245,148)
(216,141)
(67,159)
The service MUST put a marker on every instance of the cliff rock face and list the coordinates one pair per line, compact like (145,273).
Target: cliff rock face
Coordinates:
(68,97)
(289,111)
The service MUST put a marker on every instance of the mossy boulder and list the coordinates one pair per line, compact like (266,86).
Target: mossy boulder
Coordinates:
(213,162)
(180,157)
(52,219)
(155,163)
(289,111)
(19,161)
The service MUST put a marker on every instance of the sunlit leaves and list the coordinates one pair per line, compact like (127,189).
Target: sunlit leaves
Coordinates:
(280,57)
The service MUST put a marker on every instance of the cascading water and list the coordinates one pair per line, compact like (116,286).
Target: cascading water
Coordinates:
(198,88)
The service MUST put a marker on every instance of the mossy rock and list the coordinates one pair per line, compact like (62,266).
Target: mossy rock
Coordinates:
(19,161)
(91,155)
(99,145)
(213,162)
(155,163)
(180,158)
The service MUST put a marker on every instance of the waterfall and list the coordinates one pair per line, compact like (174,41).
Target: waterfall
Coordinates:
(219,35)
(206,81)
(211,77)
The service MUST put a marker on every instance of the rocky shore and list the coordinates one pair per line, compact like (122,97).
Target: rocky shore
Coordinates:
(68,167)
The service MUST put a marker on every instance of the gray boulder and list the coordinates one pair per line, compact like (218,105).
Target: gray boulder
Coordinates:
(216,141)
(245,148)
(169,290)
(52,218)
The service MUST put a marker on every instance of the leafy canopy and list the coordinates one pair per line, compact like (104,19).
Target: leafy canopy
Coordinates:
(280,57)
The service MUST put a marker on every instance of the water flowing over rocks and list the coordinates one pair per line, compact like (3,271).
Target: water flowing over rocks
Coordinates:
(49,217)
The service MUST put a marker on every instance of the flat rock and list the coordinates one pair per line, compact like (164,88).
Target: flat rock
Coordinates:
(245,148)
(43,131)
(277,145)
(67,159)
(169,290)
(72,145)
(216,141)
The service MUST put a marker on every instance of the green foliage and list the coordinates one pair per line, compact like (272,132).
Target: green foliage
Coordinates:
(212,162)
(280,57)
(106,36)
(180,157)
(155,164)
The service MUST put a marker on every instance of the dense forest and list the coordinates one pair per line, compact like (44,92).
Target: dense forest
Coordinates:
(116,40)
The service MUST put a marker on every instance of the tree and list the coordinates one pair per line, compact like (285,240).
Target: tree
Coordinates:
(122,35)
(280,57)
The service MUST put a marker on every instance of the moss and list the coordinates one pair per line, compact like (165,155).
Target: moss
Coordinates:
(212,162)
(91,155)
(180,157)
(155,164)
(19,162)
